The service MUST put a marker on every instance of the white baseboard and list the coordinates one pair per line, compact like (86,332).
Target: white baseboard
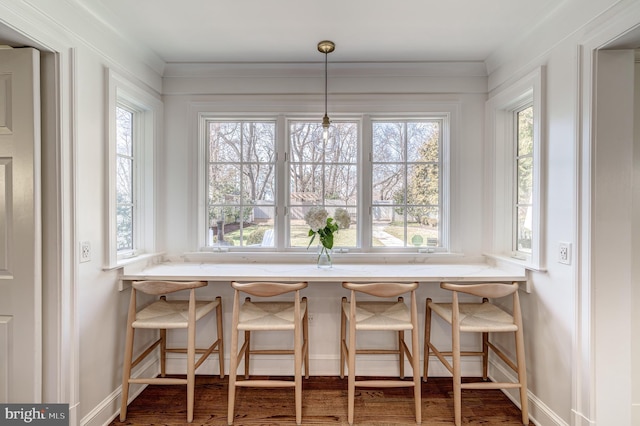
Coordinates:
(539,413)
(109,408)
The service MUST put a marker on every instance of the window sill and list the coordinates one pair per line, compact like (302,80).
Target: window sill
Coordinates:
(515,261)
(144,259)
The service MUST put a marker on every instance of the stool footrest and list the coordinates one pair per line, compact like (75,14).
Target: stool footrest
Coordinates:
(266,383)
(384,383)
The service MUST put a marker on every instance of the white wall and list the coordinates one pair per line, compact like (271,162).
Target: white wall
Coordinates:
(560,392)
(574,320)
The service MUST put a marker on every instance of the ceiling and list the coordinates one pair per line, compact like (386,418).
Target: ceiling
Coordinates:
(289,30)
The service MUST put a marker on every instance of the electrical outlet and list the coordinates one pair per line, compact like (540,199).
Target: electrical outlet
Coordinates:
(85,251)
(310,317)
(564,253)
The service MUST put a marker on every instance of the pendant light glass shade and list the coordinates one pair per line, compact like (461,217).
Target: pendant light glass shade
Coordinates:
(325,47)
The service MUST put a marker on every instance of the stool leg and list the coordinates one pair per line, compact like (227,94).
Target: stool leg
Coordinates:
(415,359)
(297,360)
(247,353)
(220,336)
(351,392)
(343,336)
(522,376)
(163,352)
(126,372)
(128,356)
(455,349)
(427,339)
(191,355)
(305,339)
(233,362)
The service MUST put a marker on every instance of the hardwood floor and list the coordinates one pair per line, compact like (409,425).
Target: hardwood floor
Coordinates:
(324,403)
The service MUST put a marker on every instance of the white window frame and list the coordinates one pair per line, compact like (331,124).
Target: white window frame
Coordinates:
(282,193)
(502,138)
(148,110)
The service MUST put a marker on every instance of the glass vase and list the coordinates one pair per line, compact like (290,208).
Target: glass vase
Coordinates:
(324,257)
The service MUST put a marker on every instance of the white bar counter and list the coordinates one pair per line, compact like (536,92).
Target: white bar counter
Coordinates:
(359,272)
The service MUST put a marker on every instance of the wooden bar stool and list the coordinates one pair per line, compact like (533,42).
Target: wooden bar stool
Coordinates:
(482,318)
(169,314)
(380,315)
(268,316)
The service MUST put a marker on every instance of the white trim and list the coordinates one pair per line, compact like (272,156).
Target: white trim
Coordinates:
(148,119)
(499,108)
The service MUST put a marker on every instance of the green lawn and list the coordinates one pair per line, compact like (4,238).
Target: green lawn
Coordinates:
(343,238)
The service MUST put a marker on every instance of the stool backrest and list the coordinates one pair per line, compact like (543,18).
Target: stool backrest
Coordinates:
(489,290)
(165,287)
(267,289)
(381,289)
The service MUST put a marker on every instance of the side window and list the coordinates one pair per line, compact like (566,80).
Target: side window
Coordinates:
(514,123)
(134,125)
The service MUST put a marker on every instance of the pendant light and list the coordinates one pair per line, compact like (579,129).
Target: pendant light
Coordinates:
(325,47)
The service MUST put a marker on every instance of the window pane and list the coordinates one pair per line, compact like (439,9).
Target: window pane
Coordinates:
(341,184)
(259,183)
(124,225)
(423,186)
(388,182)
(224,142)
(305,142)
(124,132)
(342,146)
(525,131)
(523,228)
(525,181)
(258,143)
(124,180)
(422,141)
(388,142)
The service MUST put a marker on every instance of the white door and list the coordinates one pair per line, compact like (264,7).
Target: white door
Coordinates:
(20,227)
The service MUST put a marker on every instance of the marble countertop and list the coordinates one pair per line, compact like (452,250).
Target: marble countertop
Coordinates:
(290,272)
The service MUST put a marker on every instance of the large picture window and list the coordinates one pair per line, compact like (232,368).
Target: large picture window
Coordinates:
(263,176)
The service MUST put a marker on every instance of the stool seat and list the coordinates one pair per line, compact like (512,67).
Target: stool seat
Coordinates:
(381,315)
(269,315)
(477,317)
(171,313)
